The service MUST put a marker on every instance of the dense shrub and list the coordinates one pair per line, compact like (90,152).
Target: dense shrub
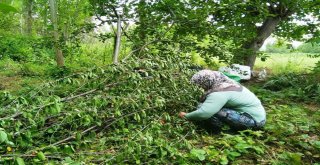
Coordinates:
(22,48)
(9,22)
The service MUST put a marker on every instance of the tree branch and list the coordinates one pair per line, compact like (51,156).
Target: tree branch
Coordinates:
(65,99)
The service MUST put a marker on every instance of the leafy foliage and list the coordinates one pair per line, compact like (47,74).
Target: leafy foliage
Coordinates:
(23,48)
(296,86)
(127,99)
(127,113)
(7,8)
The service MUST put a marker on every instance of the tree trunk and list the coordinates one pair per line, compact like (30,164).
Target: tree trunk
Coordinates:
(54,20)
(254,45)
(28,16)
(117,41)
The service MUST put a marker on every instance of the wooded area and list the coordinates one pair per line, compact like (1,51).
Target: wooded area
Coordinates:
(101,82)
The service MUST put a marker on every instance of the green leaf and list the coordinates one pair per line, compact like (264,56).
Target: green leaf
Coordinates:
(242,147)
(258,150)
(78,136)
(3,137)
(295,158)
(7,8)
(41,156)
(234,154)
(212,153)
(10,143)
(316,144)
(224,160)
(19,161)
(198,153)
(68,149)
(68,160)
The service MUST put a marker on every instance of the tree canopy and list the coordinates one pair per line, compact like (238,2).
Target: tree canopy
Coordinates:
(232,30)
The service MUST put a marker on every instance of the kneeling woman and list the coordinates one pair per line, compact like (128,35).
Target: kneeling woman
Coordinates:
(225,101)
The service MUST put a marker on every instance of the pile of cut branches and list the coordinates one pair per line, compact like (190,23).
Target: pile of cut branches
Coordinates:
(103,115)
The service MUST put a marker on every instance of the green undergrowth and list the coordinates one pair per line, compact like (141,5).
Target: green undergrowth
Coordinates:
(29,60)
(295,86)
(127,114)
(279,63)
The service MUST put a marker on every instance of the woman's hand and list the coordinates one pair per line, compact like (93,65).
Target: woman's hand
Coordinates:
(182,114)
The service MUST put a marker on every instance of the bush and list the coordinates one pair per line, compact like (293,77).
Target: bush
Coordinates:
(57,72)
(31,69)
(9,67)
(304,87)
(277,48)
(9,22)
(22,48)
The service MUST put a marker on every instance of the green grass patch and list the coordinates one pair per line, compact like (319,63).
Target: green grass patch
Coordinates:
(288,62)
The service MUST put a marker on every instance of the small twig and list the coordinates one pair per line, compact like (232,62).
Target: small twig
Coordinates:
(64,140)
(124,29)
(79,95)
(30,155)
(147,43)
(21,130)
(142,47)
(123,116)
(115,11)
(183,137)
(87,130)
(70,137)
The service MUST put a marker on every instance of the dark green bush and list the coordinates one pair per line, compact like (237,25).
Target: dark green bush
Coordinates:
(305,87)
(57,72)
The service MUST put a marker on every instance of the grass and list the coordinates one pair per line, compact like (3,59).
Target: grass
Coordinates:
(288,62)
(275,64)
(15,76)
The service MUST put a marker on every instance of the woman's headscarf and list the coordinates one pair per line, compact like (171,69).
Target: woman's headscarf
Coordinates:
(214,81)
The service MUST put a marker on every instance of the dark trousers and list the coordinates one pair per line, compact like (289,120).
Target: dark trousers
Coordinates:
(236,121)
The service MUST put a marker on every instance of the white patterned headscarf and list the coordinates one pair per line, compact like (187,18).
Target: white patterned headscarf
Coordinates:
(213,81)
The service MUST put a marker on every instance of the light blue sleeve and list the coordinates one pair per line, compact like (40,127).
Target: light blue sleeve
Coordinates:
(213,103)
